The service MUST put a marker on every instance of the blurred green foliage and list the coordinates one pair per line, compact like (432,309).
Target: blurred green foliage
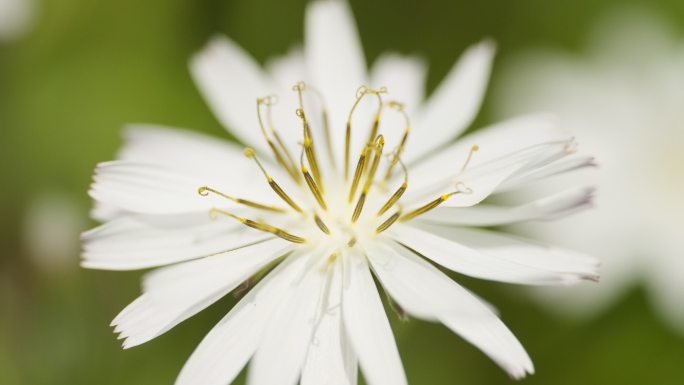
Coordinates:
(89,67)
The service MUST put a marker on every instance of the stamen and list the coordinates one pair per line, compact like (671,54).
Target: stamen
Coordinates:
(360,166)
(397,194)
(285,161)
(258,226)
(205,190)
(326,121)
(379,144)
(351,242)
(461,189)
(313,186)
(321,225)
(308,139)
(388,222)
(250,153)
(472,151)
(361,92)
(400,148)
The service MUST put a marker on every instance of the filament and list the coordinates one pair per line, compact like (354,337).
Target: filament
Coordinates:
(379,144)
(402,143)
(259,226)
(250,153)
(313,186)
(398,193)
(361,92)
(308,139)
(285,160)
(205,190)
(461,189)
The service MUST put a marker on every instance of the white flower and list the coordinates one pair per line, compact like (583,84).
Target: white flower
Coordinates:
(626,99)
(318,313)
(16,17)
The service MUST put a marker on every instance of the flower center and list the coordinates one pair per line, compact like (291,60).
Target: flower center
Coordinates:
(335,210)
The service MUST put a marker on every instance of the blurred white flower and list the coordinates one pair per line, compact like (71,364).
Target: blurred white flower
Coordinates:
(52,223)
(327,212)
(625,98)
(16,17)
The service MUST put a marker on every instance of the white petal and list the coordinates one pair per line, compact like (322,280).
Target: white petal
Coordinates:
(288,69)
(488,264)
(175,293)
(454,105)
(231,81)
(552,207)
(558,167)
(148,189)
(335,60)
(189,152)
(330,359)
(128,243)
(368,328)
(229,345)
(422,289)
(282,350)
(404,77)
(503,149)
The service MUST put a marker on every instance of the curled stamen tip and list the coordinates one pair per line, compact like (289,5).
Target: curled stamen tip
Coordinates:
(300,113)
(396,105)
(299,86)
(380,140)
(203,191)
(249,152)
(382,90)
(362,90)
(213,214)
(268,100)
(461,188)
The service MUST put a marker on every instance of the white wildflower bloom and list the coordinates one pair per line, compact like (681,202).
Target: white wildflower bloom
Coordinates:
(625,98)
(16,16)
(337,186)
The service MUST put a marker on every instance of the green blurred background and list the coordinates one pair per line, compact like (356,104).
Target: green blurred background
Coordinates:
(85,68)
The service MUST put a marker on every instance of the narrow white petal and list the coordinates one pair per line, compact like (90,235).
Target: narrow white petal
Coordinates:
(175,293)
(368,328)
(422,289)
(478,263)
(330,359)
(182,150)
(404,77)
(504,149)
(128,243)
(454,105)
(552,207)
(570,265)
(148,189)
(558,167)
(231,81)
(282,351)
(230,344)
(335,60)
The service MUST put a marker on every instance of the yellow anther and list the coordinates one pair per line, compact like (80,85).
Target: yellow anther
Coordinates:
(321,225)
(259,226)
(460,189)
(361,92)
(388,222)
(250,153)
